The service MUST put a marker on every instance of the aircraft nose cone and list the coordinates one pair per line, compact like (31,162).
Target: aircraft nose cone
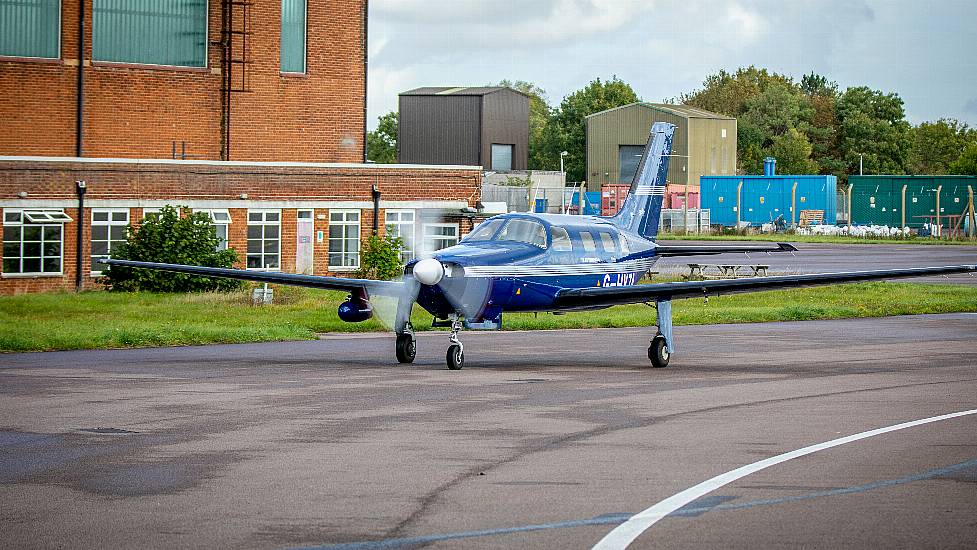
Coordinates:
(428,271)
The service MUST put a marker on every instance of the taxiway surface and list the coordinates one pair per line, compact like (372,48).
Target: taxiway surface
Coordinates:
(544,440)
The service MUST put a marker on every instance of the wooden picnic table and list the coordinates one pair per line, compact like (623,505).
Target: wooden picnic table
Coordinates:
(726,271)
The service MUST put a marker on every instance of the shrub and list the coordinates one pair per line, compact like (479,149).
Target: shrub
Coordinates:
(168,238)
(380,258)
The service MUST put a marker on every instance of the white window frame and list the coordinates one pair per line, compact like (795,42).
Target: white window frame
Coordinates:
(110,223)
(263,223)
(61,218)
(407,253)
(60,28)
(427,238)
(220,218)
(350,259)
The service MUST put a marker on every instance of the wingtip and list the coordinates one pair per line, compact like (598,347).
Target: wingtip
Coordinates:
(787,247)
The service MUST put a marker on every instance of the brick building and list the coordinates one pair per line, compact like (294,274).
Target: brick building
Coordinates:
(251,110)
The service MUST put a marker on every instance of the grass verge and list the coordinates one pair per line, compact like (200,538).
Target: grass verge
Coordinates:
(64,321)
(792,238)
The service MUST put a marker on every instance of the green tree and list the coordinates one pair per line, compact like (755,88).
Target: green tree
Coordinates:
(571,124)
(793,153)
(938,144)
(544,142)
(966,164)
(381,144)
(727,93)
(168,238)
(873,123)
(380,258)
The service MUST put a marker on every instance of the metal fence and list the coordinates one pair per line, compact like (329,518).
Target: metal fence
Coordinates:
(677,220)
(526,199)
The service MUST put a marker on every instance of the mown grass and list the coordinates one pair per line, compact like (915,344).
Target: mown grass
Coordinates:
(830,239)
(63,321)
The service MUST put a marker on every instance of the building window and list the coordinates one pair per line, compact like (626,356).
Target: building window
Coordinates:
(725,156)
(30,28)
(32,241)
(344,239)
(292,54)
(161,32)
(220,219)
(109,230)
(502,156)
(400,223)
(629,157)
(264,232)
(712,160)
(440,235)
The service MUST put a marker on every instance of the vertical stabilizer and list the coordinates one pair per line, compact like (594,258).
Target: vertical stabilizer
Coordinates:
(641,211)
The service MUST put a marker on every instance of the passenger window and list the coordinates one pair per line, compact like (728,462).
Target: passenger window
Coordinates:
(561,240)
(588,241)
(607,241)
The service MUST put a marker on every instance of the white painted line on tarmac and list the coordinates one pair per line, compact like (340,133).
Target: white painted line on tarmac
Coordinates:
(624,534)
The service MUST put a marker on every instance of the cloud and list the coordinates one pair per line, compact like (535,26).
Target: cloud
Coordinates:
(664,48)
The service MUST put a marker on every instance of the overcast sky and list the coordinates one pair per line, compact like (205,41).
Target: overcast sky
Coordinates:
(926,51)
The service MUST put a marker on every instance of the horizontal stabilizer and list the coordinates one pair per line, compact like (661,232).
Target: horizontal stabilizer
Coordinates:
(707,250)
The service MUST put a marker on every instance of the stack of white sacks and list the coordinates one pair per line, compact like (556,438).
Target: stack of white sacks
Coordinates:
(861,231)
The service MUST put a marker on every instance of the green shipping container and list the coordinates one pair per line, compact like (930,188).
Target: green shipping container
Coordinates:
(878,200)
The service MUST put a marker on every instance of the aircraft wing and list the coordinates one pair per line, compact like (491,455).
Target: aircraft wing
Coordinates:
(569,298)
(385,288)
(705,250)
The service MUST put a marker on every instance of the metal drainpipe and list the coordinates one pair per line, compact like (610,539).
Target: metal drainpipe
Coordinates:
(376,208)
(80,188)
(80,86)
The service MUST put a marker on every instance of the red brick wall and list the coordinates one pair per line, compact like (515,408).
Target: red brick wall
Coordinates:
(184,182)
(137,112)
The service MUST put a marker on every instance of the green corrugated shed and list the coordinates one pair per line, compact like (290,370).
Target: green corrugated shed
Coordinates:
(878,199)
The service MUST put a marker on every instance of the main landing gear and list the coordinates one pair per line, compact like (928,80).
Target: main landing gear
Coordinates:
(661,347)
(406,345)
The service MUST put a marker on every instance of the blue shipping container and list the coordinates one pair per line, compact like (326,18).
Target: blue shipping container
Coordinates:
(591,205)
(764,198)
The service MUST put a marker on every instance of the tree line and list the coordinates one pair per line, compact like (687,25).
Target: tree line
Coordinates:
(810,126)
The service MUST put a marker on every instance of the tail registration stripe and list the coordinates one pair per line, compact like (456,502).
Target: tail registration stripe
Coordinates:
(624,534)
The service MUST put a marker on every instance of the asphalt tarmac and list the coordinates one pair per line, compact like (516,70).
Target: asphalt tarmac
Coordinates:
(824,258)
(545,440)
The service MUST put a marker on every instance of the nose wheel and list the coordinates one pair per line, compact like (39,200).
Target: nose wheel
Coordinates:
(456,351)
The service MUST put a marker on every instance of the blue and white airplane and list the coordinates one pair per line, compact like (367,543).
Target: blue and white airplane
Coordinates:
(550,263)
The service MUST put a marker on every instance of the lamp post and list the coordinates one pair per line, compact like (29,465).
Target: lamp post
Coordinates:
(860,164)
(563,190)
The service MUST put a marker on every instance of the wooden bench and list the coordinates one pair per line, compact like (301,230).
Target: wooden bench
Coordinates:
(725,271)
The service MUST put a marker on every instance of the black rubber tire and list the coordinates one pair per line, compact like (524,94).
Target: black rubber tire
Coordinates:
(658,352)
(406,348)
(455,357)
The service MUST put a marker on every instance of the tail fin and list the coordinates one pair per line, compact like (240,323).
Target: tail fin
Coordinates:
(641,211)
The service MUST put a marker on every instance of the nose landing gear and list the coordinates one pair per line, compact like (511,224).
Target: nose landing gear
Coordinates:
(406,345)
(456,351)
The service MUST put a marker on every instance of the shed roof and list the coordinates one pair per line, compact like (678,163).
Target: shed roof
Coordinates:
(459,90)
(684,111)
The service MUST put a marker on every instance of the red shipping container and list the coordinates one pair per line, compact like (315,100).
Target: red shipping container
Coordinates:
(612,197)
(676,199)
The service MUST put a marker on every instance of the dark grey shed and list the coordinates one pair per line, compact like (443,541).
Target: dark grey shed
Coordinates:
(440,125)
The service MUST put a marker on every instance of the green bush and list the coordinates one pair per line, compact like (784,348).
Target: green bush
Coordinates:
(168,238)
(380,258)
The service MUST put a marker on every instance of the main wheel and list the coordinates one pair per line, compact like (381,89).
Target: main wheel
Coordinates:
(658,352)
(455,357)
(406,348)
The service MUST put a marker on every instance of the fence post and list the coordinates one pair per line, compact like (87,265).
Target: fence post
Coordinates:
(904,205)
